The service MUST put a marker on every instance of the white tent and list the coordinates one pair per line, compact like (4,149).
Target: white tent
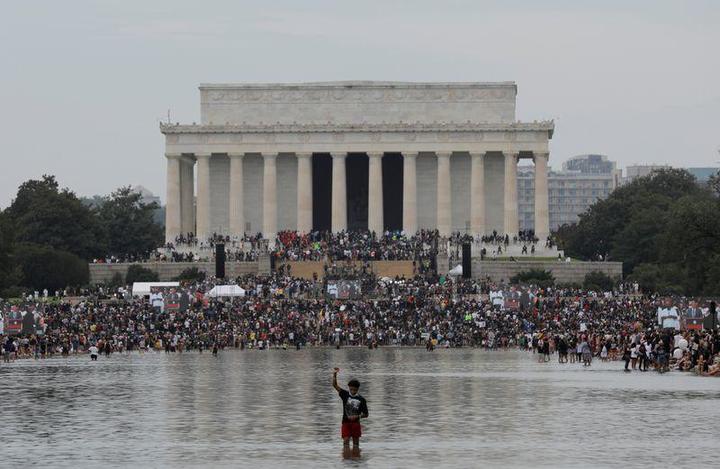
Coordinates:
(226,290)
(456,271)
(143,288)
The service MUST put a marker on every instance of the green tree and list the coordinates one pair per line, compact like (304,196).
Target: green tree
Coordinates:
(598,281)
(714,183)
(138,273)
(628,224)
(10,273)
(117,280)
(191,274)
(95,201)
(666,279)
(43,214)
(639,239)
(713,276)
(664,227)
(691,239)
(45,267)
(541,278)
(129,223)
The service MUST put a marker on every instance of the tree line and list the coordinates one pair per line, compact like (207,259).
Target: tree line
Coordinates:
(664,227)
(48,234)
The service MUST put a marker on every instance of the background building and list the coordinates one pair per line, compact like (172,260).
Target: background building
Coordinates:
(146,196)
(702,174)
(635,171)
(582,180)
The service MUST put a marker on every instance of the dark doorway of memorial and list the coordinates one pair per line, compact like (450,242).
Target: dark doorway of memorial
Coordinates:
(392,170)
(357,191)
(322,191)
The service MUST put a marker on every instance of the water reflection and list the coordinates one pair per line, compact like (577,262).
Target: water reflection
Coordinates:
(462,408)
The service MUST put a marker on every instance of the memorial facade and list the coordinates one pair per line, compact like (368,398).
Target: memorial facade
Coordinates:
(353,155)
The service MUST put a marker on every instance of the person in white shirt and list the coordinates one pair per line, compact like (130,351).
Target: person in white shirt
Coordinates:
(93,352)
(634,355)
(676,340)
(156,299)
(668,317)
(497,299)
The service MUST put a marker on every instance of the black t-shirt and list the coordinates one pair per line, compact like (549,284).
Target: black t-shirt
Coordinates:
(352,405)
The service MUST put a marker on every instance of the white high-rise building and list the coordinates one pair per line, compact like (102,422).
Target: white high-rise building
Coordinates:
(583,180)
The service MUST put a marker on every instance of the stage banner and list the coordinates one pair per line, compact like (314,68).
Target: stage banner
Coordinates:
(693,318)
(170,298)
(22,319)
(344,289)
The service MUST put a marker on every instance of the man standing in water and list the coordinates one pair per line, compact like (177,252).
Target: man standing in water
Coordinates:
(354,408)
(93,352)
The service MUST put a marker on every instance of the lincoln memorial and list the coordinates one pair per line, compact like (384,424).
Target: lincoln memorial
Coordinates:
(353,155)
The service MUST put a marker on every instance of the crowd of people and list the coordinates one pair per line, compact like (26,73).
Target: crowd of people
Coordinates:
(325,245)
(189,248)
(191,240)
(282,311)
(644,343)
(356,245)
(523,237)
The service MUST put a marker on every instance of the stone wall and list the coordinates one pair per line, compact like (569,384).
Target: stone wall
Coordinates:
(426,169)
(460,166)
(357,102)
(287,191)
(305,269)
(219,194)
(102,273)
(253,192)
(393,269)
(460,191)
(564,272)
(494,193)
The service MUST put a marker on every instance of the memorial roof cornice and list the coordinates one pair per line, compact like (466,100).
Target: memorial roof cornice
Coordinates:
(541,126)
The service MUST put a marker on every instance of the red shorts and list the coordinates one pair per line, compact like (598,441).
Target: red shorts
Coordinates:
(351,430)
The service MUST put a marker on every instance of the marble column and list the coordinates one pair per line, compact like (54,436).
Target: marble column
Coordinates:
(237,199)
(339,193)
(269,197)
(542,218)
(187,194)
(477,193)
(203,195)
(511,203)
(173,213)
(304,192)
(375,193)
(410,193)
(444,213)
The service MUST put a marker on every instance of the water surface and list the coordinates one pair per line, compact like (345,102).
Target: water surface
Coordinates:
(455,408)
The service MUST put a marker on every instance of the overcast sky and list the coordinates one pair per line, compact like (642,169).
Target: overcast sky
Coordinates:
(83,84)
